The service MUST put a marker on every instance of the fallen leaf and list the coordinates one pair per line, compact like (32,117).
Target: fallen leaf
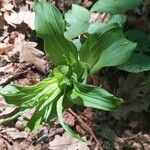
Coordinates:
(4,144)
(69,119)
(14,134)
(2,22)
(6,5)
(24,15)
(66,142)
(29,54)
(5,48)
(12,71)
(9,111)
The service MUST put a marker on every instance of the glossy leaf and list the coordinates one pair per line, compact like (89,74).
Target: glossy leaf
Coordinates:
(142,39)
(92,96)
(29,96)
(115,6)
(50,27)
(120,19)
(137,63)
(98,53)
(94,27)
(78,21)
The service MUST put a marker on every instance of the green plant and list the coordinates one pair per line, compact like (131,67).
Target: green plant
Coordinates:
(66,85)
(140,60)
(78,18)
(78,22)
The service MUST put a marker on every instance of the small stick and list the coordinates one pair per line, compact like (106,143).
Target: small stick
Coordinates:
(87,128)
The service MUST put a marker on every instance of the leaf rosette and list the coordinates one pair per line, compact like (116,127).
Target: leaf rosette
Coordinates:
(66,85)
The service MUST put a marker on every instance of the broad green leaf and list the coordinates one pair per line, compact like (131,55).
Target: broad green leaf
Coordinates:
(51,113)
(107,47)
(92,96)
(120,19)
(92,48)
(136,36)
(137,63)
(48,111)
(50,26)
(115,6)
(94,27)
(61,120)
(142,39)
(78,21)
(116,54)
(77,43)
(8,89)
(146,44)
(29,96)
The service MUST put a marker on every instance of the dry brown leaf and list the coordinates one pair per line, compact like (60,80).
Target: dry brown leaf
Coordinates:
(69,119)
(6,5)
(14,134)
(29,54)
(24,15)
(12,71)
(9,111)
(4,48)
(2,22)
(66,142)
(4,144)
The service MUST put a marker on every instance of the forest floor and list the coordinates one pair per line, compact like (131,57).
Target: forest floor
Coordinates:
(22,61)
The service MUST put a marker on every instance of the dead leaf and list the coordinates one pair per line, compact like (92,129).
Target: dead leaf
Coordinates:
(9,111)
(4,144)
(12,71)
(14,134)
(6,5)
(29,54)
(87,3)
(4,60)
(5,48)
(24,15)
(2,22)
(69,119)
(66,142)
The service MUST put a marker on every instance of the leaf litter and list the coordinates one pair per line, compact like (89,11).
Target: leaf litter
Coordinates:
(18,66)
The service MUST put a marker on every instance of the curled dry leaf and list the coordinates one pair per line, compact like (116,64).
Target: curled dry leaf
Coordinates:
(29,54)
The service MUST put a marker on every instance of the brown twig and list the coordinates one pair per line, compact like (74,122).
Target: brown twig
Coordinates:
(87,128)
